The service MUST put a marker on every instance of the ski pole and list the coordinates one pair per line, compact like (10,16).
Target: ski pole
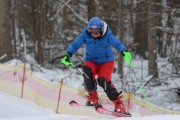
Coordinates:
(57,58)
(81,73)
(141,88)
(142,91)
(128,60)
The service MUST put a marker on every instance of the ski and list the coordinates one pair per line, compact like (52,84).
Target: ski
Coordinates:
(100,109)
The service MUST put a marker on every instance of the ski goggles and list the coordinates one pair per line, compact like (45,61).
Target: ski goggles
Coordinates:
(93,32)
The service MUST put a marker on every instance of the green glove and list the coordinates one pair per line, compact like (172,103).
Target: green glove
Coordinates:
(127,57)
(66,59)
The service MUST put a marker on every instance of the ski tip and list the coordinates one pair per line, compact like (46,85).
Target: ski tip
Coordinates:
(128,114)
(72,102)
(123,114)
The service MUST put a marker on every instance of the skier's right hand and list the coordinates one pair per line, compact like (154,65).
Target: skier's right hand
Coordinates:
(66,59)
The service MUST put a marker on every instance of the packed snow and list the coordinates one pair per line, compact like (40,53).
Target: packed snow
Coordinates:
(15,108)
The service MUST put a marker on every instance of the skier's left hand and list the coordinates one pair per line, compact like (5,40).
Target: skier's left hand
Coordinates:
(127,56)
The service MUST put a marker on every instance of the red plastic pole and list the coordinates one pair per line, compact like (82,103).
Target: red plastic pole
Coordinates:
(59,96)
(129,101)
(23,79)
(129,93)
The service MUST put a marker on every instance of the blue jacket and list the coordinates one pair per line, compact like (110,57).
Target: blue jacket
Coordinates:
(97,50)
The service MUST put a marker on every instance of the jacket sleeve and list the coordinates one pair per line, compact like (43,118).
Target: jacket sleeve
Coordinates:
(77,43)
(117,43)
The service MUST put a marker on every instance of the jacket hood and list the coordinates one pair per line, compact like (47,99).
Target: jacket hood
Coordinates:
(105,28)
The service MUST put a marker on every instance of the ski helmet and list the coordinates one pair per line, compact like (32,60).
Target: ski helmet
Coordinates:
(95,23)
(95,27)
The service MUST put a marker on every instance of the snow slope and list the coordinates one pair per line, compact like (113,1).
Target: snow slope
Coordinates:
(15,108)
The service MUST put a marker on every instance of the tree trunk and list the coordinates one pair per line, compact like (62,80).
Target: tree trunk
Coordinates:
(152,44)
(141,31)
(38,24)
(94,8)
(91,9)
(5,30)
(120,35)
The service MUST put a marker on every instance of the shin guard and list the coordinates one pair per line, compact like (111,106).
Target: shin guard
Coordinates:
(89,83)
(109,89)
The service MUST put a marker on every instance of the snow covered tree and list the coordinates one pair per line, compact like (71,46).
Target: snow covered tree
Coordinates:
(31,21)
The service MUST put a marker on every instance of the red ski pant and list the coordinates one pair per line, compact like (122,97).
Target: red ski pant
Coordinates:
(102,70)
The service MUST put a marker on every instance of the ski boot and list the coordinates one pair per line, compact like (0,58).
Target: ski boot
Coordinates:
(119,106)
(92,99)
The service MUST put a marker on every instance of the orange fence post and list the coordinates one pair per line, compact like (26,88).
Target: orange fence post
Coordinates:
(129,101)
(59,96)
(23,79)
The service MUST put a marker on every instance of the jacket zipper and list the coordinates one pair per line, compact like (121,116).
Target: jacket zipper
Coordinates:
(95,50)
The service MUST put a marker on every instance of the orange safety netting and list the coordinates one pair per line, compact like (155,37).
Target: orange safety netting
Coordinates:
(46,94)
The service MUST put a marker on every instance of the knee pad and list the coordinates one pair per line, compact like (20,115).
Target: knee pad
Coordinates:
(89,83)
(108,88)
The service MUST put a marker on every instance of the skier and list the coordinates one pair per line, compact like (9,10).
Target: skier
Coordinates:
(99,60)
